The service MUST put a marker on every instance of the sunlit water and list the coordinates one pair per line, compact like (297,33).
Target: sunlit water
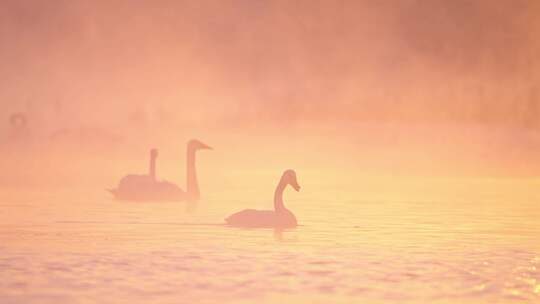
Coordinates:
(433,241)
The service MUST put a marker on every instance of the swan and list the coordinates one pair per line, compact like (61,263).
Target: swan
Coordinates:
(281,217)
(147,188)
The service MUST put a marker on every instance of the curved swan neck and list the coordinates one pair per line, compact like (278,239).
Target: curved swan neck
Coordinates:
(192,184)
(278,196)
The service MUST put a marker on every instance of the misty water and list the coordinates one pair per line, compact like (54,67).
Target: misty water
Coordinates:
(427,241)
(412,125)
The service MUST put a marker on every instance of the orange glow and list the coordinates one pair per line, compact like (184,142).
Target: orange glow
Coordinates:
(409,130)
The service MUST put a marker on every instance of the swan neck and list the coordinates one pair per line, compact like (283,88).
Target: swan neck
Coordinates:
(278,197)
(152,169)
(192,184)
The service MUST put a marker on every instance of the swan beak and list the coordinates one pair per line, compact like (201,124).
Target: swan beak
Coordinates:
(296,186)
(203,146)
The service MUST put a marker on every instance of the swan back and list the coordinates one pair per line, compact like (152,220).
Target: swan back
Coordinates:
(251,218)
(145,188)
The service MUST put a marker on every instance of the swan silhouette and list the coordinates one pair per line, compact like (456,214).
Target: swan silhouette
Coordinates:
(281,217)
(147,188)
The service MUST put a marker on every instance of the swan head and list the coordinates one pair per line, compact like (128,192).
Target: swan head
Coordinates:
(154,153)
(289,177)
(198,145)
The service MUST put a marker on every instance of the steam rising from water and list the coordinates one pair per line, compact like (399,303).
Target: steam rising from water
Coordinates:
(370,78)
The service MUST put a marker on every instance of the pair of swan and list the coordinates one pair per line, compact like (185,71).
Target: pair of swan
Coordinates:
(147,187)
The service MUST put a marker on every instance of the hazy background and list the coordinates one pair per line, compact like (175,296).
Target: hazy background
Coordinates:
(332,88)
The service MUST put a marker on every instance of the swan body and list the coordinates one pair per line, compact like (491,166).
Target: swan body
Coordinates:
(146,187)
(280,217)
(143,188)
(251,218)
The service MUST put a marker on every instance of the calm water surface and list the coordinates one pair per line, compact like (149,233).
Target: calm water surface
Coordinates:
(433,241)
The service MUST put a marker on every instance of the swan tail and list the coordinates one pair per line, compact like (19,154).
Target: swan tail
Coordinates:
(113,191)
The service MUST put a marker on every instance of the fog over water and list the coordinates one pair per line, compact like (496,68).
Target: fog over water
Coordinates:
(122,70)
(275,61)
(413,127)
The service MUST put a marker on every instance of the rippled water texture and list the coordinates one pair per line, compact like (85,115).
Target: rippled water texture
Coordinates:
(432,241)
